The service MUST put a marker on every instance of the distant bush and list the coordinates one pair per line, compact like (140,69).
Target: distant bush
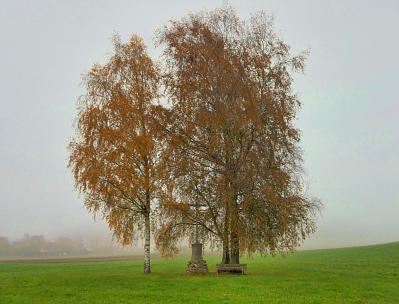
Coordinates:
(4,246)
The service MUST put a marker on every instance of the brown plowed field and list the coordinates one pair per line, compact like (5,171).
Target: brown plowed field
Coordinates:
(78,259)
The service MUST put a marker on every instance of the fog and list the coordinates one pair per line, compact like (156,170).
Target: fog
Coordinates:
(349,118)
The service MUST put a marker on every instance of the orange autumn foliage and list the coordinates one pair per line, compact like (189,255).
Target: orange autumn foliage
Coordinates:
(233,146)
(227,140)
(113,156)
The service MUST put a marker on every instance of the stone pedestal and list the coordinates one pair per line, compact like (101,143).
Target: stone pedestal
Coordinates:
(196,252)
(197,263)
(197,267)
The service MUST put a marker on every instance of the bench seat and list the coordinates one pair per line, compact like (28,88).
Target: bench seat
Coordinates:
(231,268)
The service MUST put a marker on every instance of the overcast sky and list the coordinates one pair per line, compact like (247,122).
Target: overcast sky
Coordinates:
(349,119)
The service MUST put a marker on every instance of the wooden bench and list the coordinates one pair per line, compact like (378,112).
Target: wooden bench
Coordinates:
(231,268)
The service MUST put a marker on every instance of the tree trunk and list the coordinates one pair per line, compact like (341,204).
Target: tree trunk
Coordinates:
(226,252)
(235,249)
(147,234)
(226,232)
(234,239)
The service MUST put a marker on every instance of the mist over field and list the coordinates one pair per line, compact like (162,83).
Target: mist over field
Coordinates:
(349,119)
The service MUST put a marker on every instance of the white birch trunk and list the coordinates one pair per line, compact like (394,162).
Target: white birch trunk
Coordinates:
(147,235)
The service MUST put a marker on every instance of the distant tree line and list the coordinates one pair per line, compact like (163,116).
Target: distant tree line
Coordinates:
(38,246)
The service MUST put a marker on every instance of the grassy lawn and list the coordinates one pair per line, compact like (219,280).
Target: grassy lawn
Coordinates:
(349,275)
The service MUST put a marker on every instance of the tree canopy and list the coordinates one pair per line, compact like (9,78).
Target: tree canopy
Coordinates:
(226,140)
(114,154)
(234,147)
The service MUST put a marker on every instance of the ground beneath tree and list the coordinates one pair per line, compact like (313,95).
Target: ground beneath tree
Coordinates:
(364,275)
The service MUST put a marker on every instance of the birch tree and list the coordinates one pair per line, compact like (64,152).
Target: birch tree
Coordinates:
(233,144)
(114,153)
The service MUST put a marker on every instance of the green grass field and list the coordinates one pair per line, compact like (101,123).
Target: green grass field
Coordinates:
(349,275)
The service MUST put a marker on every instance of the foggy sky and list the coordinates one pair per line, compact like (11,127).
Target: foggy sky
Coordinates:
(349,119)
